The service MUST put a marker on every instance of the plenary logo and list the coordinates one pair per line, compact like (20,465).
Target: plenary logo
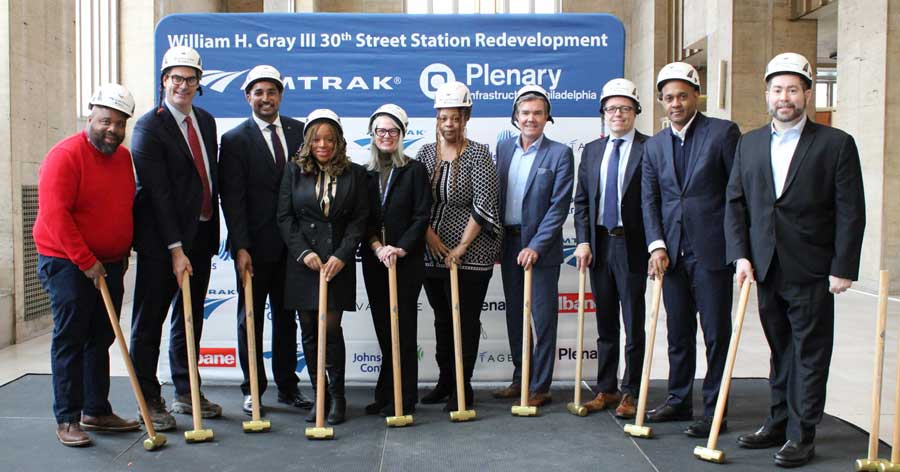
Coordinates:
(217,357)
(570,354)
(212,304)
(433,76)
(301,359)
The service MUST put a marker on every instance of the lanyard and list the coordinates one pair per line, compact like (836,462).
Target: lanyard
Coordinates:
(387,186)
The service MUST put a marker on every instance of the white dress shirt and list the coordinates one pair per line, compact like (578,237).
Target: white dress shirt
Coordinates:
(783,145)
(182,125)
(267,134)
(624,152)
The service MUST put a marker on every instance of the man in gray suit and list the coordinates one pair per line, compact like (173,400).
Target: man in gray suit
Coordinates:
(536,176)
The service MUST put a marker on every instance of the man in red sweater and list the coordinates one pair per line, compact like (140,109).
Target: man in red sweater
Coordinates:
(83,232)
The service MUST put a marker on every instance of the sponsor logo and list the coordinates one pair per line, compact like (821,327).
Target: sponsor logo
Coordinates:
(568,303)
(486,357)
(570,354)
(569,252)
(301,359)
(436,74)
(217,357)
(412,136)
(211,304)
(368,363)
(433,76)
(219,80)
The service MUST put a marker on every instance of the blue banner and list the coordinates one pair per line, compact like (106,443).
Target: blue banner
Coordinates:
(352,63)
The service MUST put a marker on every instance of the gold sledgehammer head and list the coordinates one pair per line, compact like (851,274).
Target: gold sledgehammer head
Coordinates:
(257,426)
(577,410)
(319,433)
(462,415)
(709,455)
(155,442)
(399,421)
(518,410)
(888,466)
(198,435)
(638,431)
(866,464)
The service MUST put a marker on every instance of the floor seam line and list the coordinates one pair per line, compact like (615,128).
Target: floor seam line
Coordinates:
(383,449)
(636,445)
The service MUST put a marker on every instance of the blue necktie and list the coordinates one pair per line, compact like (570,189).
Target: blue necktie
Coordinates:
(611,188)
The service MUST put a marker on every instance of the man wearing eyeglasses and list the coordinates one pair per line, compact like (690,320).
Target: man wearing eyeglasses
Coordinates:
(610,234)
(251,160)
(686,170)
(176,229)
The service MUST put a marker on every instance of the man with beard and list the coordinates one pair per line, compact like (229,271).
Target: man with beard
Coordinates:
(794,223)
(83,233)
(686,170)
(252,158)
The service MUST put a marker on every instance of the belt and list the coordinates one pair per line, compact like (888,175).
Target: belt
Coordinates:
(616,232)
(513,230)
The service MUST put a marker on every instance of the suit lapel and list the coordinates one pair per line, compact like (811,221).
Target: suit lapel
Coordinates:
(343,183)
(538,160)
(174,130)
(669,158)
(504,159)
(259,142)
(701,131)
(634,158)
(293,134)
(806,139)
(596,169)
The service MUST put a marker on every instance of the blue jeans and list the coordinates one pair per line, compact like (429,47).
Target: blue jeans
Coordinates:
(82,335)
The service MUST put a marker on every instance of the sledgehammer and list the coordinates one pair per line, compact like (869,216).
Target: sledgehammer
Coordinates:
(576,408)
(255,425)
(522,409)
(894,464)
(710,453)
(320,431)
(154,440)
(872,462)
(461,414)
(399,419)
(638,429)
(198,434)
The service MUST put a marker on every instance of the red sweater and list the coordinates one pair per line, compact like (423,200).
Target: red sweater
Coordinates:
(84,203)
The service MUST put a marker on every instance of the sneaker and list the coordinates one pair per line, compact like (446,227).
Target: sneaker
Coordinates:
(110,422)
(71,434)
(208,409)
(160,417)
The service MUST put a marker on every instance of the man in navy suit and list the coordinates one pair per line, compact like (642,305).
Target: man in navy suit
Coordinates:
(609,228)
(794,223)
(536,176)
(251,160)
(686,170)
(176,228)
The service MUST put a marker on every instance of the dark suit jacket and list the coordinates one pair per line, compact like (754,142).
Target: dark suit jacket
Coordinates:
(816,225)
(587,198)
(548,193)
(249,182)
(169,191)
(305,227)
(698,206)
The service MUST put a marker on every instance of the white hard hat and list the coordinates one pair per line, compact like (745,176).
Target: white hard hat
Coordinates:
(678,71)
(452,95)
(113,96)
(789,63)
(263,72)
(395,112)
(321,114)
(531,90)
(620,88)
(181,56)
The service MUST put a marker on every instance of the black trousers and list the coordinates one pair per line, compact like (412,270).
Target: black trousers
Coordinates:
(612,284)
(268,283)
(408,289)
(798,321)
(689,288)
(155,292)
(82,335)
(473,287)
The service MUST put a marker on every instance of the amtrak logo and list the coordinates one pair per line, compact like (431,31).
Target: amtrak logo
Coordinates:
(211,304)
(569,254)
(301,360)
(365,143)
(218,80)
(433,76)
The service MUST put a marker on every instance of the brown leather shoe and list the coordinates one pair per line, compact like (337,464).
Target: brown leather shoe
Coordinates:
(513,391)
(109,422)
(539,399)
(602,401)
(70,434)
(626,409)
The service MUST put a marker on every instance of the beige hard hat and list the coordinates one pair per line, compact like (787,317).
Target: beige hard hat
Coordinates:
(620,88)
(181,56)
(531,90)
(452,95)
(263,72)
(789,63)
(113,96)
(395,112)
(678,71)
(324,114)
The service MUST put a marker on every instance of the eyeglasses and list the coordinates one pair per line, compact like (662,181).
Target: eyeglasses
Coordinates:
(611,110)
(382,132)
(178,80)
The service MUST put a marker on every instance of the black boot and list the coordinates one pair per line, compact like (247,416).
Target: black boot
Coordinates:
(335,360)
(310,352)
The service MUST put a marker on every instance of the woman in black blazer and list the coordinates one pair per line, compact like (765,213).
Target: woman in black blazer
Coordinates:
(400,208)
(322,211)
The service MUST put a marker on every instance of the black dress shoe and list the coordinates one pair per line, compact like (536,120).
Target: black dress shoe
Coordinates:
(763,438)
(795,454)
(702,427)
(438,394)
(338,411)
(247,406)
(296,399)
(668,412)
(375,407)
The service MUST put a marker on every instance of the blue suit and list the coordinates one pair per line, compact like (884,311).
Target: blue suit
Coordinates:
(686,210)
(545,206)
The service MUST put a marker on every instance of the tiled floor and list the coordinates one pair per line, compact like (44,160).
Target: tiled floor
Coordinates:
(849,386)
